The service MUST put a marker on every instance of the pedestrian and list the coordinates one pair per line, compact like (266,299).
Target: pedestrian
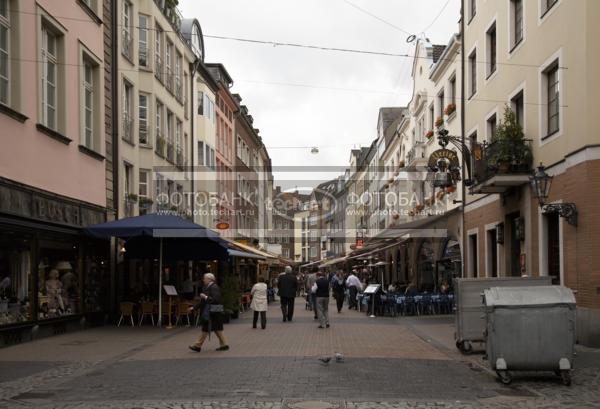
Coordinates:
(321,290)
(287,293)
(211,308)
(259,303)
(354,286)
(338,286)
(312,299)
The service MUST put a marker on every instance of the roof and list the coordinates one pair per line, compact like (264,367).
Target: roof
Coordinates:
(389,115)
(438,50)
(219,73)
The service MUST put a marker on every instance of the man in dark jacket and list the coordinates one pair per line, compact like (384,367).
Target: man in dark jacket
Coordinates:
(287,286)
(322,294)
(338,285)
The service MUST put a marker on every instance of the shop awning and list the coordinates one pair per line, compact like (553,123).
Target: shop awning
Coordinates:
(248,249)
(310,264)
(243,254)
(333,261)
(412,228)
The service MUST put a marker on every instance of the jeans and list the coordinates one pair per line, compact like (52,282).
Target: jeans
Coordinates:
(339,300)
(263,319)
(323,310)
(352,298)
(313,302)
(287,308)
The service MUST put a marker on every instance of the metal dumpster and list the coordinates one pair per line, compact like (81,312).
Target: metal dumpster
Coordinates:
(530,329)
(470,311)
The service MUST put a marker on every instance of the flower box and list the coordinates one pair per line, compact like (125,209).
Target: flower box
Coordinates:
(439,122)
(429,134)
(401,164)
(419,207)
(450,109)
(451,189)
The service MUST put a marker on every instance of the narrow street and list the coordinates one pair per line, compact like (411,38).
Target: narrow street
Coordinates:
(387,363)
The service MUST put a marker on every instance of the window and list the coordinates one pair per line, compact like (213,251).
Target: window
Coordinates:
(452,96)
(473,259)
(492,125)
(168,66)
(491,50)
(517,105)
(516,22)
(158,49)
(178,142)
(473,73)
(178,85)
(472,9)
(200,103)
(144,183)
(5,38)
(200,153)
(89,109)
(553,100)
(127,30)
(128,187)
(143,119)
(128,111)
(160,141)
(431,117)
(547,5)
(441,102)
(143,41)
(49,78)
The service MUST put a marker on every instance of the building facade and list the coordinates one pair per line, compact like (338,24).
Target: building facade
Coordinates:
(53,177)
(537,58)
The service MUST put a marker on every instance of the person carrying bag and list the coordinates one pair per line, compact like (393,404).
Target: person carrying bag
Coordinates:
(211,307)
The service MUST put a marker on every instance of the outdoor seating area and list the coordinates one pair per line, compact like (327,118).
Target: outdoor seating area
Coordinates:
(146,313)
(394,305)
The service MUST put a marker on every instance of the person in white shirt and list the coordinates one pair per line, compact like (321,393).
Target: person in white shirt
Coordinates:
(259,303)
(354,286)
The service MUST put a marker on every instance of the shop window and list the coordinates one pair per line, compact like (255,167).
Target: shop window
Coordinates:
(59,280)
(15,278)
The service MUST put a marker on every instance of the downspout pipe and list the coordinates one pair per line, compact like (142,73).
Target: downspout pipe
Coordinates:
(463,138)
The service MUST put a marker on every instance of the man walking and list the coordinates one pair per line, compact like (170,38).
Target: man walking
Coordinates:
(339,290)
(287,293)
(322,294)
(353,284)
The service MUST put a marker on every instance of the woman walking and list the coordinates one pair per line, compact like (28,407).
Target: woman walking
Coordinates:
(259,303)
(211,308)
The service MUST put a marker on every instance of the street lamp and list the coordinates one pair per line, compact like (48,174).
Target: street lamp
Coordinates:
(540,184)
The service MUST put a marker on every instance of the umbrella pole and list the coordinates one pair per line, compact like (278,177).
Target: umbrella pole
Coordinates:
(160,262)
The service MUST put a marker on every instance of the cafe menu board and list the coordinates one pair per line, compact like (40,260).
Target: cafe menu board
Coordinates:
(170,290)
(372,288)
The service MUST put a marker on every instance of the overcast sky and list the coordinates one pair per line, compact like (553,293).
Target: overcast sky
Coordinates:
(336,96)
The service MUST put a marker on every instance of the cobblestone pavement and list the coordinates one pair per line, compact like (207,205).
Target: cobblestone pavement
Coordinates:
(388,363)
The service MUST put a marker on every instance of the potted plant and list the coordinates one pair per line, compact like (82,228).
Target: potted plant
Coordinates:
(451,189)
(429,134)
(439,122)
(429,201)
(440,194)
(145,202)
(231,296)
(419,207)
(450,109)
(509,148)
(401,164)
(131,198)
(395,216)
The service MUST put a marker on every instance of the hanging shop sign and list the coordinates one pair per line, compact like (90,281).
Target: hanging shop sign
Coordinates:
(447,155)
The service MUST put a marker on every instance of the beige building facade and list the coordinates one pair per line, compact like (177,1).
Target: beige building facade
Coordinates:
(540,59)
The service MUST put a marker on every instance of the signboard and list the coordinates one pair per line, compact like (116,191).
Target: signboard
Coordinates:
(446,154)
(170,290)
(222,226)
(372,288)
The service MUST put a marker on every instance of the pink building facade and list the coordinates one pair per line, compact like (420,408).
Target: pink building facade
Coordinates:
(52,165)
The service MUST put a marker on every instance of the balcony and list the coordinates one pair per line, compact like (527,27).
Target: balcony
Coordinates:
(127,45)
(127,128)
(416,156)
(178,89)
(170,152)
(169,80)
(501,165)
(143,59)
(160,144)
(158,68)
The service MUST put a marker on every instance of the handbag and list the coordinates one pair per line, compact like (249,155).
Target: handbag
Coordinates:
(216,308)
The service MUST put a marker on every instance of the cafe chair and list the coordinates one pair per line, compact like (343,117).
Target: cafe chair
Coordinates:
(183,311)
(147,311)
(126,311)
